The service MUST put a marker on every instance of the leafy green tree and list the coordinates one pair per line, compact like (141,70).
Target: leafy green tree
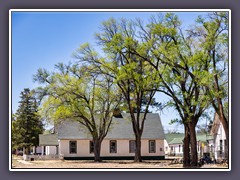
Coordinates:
(73,92)
(183,69)
(187,66)
(27,124)
(212,31)
(161,56)
(177,66)
(132,74)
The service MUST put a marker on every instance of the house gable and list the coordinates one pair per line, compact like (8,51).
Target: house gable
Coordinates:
(121,128)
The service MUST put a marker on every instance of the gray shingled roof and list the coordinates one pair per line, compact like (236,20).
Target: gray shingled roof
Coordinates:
(120,129)
(216,124)
(48,139)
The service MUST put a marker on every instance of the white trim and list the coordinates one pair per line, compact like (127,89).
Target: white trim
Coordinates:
(116,169)
(119,10)
(10,90)
(229,90)
(114,10)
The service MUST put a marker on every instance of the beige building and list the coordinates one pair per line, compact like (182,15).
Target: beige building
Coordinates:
(74,142)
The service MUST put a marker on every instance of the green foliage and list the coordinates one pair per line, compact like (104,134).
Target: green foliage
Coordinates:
(174,121)
(26,124)
(78,93)
(188,65)
(214,38)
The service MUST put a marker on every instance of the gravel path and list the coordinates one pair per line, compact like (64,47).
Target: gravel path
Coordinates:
(105,164)
(24,162)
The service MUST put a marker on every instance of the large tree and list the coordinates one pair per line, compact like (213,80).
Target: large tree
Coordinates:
(27,124)
(131,73)
(73,92)
(213,33)
(192,66)
(169,55)
(183,68)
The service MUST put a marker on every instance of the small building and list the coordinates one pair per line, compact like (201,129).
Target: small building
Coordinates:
(75,142)
(48,144)
(47,149)
(174,144)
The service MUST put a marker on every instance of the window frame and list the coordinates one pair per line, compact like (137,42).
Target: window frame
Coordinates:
(110,146)
(71,148)
(150,144)
(220,146)
(130,149)
(91,147)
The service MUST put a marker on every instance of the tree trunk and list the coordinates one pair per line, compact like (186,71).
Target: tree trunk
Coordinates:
(26,150)
(97,150)
(186,149)
(138,157)
(193,144)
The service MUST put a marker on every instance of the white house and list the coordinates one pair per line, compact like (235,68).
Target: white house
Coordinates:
(48,144)
(47,149)
(174,144)
(219,138)
(74,142)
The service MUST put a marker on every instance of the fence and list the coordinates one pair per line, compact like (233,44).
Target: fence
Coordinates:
(39,157)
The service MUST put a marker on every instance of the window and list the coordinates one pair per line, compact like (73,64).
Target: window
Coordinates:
(161,149)
(152,146)
(132,146)
(221,146)
(73,147)
(179,148)
(113,146)
(91,147)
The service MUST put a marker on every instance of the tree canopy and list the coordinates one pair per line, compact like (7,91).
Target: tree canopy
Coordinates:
(79,94)
(136,60)
(26,123)
(132,74)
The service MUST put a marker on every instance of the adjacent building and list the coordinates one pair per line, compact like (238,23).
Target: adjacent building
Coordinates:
(219,139)
(174,144)
(72,141)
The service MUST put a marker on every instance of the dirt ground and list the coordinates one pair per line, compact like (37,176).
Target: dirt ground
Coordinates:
(87,164)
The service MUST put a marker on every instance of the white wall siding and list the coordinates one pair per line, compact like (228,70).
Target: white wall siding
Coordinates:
(166,147)
(176,149)
(122,148)
(82,148)
(51,150)
(220,136)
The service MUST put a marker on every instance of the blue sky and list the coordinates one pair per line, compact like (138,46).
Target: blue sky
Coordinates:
(42,39)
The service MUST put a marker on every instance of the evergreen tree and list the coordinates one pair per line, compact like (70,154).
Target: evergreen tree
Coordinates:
(27,125)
